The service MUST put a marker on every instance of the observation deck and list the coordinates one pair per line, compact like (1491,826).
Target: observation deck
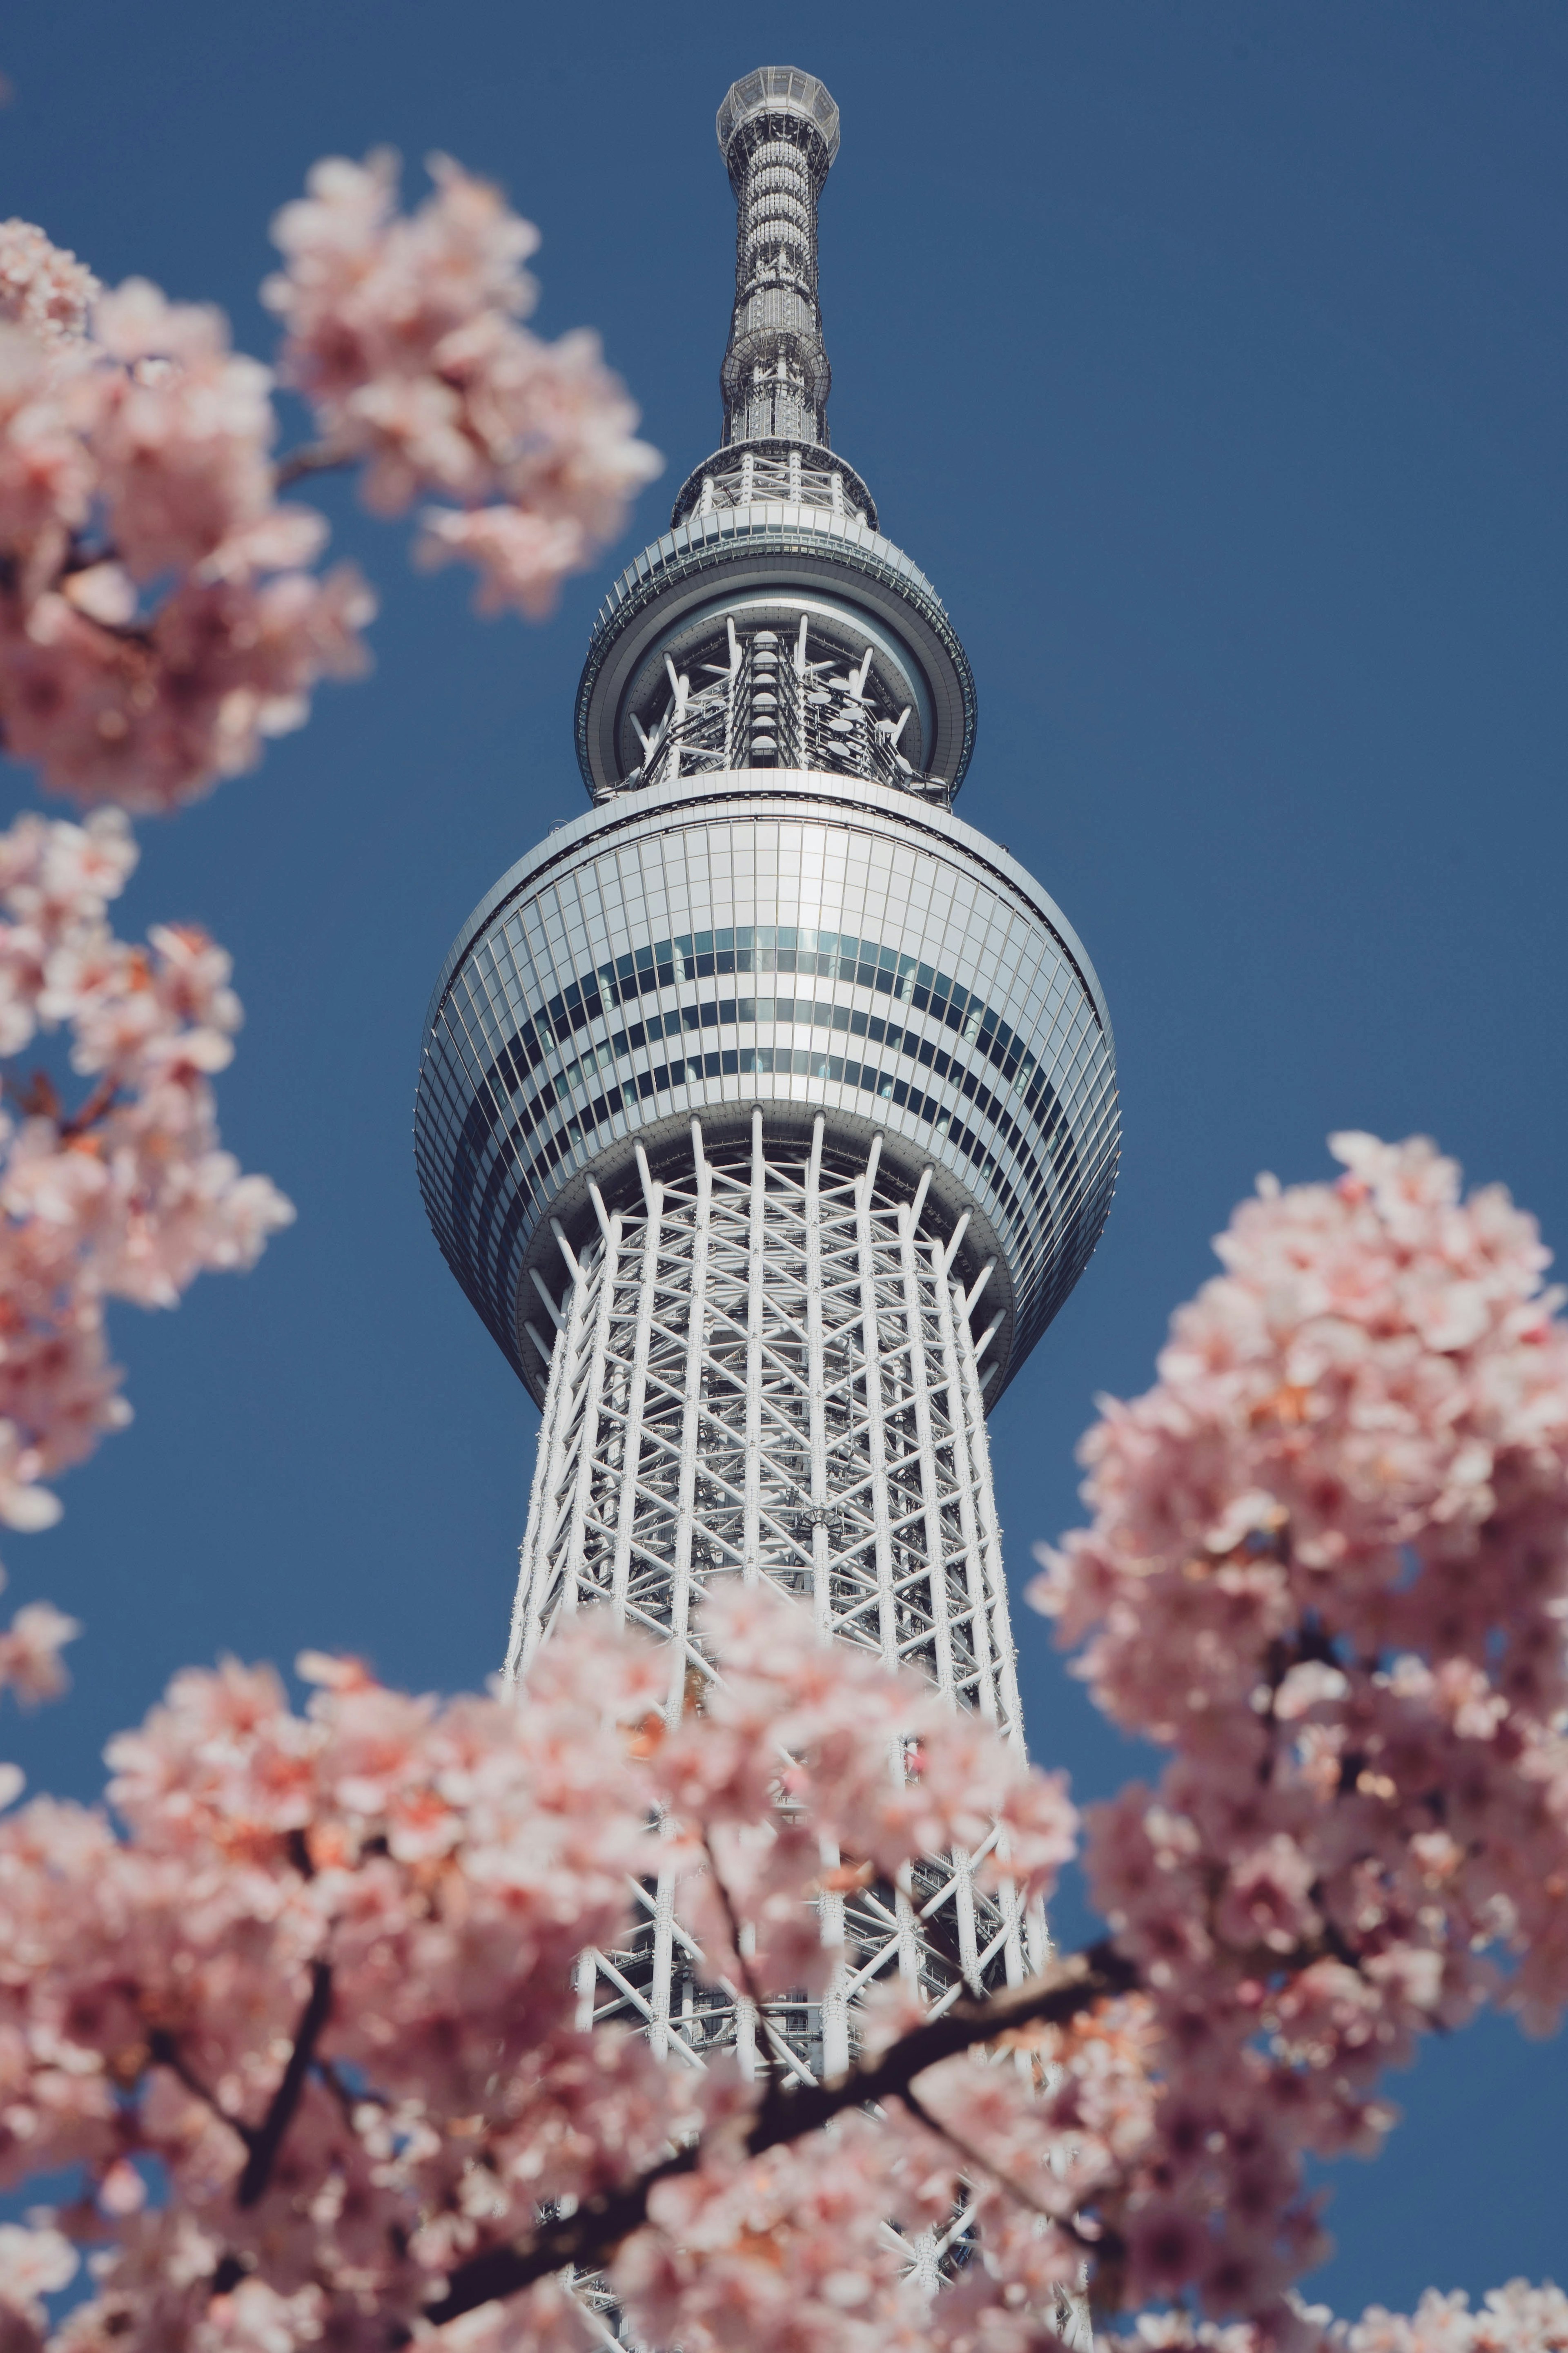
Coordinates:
(771,906)
(777,939)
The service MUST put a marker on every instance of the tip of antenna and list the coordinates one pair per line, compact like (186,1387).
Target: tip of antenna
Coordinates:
(775,90)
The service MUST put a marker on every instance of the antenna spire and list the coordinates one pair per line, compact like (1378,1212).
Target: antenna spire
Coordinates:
(778,133)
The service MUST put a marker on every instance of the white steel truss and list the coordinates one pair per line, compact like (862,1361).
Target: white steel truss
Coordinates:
(788,700)
(765,1368)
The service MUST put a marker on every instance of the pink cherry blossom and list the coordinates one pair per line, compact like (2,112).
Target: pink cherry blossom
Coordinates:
(521,558)
(46,292)
(183,438)
(33,2263)
(402,333)
(446,1864)
(1518,2319)
(131,1194)
(30,1651)
(316,1973)
(161,618)
(1329,1569)
(158,620)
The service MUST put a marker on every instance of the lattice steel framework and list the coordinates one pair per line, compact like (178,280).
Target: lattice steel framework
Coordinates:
(790,700)
(763,1366)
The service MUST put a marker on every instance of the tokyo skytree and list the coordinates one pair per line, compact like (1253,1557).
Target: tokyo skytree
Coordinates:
(767,1114)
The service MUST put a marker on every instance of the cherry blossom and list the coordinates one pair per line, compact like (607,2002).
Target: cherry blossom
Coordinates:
(33,2263)
(399,1889)
(1329,1569)
(161,617)
(30,1651)
(521,558)
(158,621)
(315,1973)
(402,333)
(130,1195)
(1518,2319)
(46,292)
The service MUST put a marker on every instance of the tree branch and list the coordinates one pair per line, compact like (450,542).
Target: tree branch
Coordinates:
(590,2235)
(164,2052)
(89,1113)
(748,1977)
(314,457)
(267,2137)
(977,2161)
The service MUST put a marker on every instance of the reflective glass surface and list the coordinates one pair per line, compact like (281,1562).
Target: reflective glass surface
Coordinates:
(830,956)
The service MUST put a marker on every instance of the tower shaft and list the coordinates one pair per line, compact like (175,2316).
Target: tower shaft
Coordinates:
(767,1116)
(762,1364)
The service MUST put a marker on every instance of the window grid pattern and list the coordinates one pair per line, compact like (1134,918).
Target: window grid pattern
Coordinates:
(919,996)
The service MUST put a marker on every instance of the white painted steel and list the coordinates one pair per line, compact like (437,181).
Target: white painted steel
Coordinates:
(765,1369)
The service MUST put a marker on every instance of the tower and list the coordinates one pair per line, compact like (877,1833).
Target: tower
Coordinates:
(767,1110)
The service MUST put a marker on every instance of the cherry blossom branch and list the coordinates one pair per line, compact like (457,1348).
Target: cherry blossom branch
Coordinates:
(1328,1571)
(588,2236)
(270,2134)
(262,2141)
(129,1194)
(89,1113)
(773,2083)
(979,2162)
(161,615)
(313,458)
(164,2052)
(39,1098)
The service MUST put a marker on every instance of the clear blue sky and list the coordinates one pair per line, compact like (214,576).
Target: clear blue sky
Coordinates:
(1210,359)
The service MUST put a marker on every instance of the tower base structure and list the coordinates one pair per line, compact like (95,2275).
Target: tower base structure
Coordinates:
(765,1368)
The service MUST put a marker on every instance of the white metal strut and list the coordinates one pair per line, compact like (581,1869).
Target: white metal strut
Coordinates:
(763,1367)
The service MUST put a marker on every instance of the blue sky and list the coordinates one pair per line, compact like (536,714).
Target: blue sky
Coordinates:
(1210,359)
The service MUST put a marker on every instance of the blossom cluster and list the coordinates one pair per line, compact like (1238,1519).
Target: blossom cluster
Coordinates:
(301,2018)
(158,616)
(30,1665)
(1518,2319)
(319,1983)
(160,613)
(819,1728)
(129,1195)
(1329,1569)
(404,334)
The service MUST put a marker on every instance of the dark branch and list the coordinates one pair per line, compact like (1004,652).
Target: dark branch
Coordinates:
(164,2052)
(748,1977)
(348,2100)
(316,458)
(975,2158)
(590,2236)
(267,2137)
(978,2162)
(89,1113)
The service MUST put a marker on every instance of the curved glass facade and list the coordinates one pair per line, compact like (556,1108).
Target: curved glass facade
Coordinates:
(777,942)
